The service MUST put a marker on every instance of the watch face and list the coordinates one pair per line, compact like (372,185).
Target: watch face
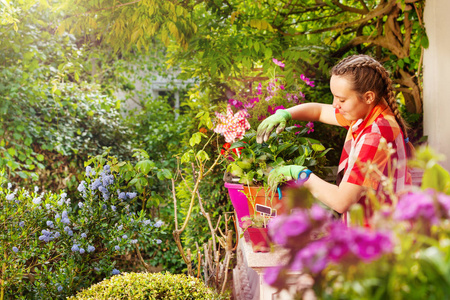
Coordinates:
(303,176)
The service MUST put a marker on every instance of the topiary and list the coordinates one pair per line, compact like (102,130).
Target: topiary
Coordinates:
(148,286)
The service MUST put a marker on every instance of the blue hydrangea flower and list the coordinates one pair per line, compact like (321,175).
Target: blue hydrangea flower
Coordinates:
(131,195)
(15,249)
(10,197)
(84,235)
(75,248)
(115,272)
(117,247)
(60,288)
(82,251)
(91,248)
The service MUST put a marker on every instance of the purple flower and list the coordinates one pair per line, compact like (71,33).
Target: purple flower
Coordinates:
(50,224)
(310,126)
(60,288)
(122,196)
(273,110)
(80,204)
(278,63)
(318,213)
(313,257)
(235,103)
(158,223)
(134,241)
(88,171)
(131,195)
(91,248)
(84,235)
(75,248)
(82,186)
(82,251)
(113,208)
(96,184)
(158,241)
(10,197)
(259,89)
(271,274)
(21,223)
(117,247)
(413,206)
(124,236)
(107,169)
(15,249)
(283,228)
(370,245)
(115,272)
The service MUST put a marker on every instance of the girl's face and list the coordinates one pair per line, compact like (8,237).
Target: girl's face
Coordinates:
(346,100)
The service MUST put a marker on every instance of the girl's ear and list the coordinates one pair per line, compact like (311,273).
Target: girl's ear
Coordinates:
(369,97)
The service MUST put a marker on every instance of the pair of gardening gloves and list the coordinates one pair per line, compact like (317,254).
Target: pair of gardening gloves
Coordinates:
(281,173)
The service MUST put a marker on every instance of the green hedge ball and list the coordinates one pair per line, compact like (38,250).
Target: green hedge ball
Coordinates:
(148,286)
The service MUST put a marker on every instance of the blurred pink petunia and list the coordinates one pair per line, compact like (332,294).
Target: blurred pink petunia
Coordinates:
(232,125)
(278,63)
(310,126)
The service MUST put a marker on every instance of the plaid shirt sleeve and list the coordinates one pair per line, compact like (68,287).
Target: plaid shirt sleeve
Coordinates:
(365,153)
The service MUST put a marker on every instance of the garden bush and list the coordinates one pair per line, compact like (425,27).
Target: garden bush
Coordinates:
(148,286)
(52,246)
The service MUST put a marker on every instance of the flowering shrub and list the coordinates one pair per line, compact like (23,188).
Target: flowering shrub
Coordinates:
(52,245)
(262,95)
(404,255)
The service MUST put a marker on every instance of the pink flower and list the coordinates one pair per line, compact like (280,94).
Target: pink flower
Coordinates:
(299,126)
(232,126)
(310,126)
(278,63)
(273,110)
(259,88)
(235,103)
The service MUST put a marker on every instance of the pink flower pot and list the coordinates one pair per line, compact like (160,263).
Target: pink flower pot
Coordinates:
(239,200)
(259,238)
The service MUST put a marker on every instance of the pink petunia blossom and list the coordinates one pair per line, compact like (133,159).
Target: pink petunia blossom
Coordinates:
(273,110)
(278,63)
(232,126)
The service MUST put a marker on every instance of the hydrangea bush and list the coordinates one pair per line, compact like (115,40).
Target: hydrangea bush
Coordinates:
(404,254)
(52,246)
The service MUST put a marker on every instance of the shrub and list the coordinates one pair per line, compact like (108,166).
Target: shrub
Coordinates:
(148,286)
(52,246)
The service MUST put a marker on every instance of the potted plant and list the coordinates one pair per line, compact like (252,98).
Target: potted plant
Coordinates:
(248,169)
(255,231)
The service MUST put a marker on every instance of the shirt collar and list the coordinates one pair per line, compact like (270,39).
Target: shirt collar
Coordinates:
(357,126)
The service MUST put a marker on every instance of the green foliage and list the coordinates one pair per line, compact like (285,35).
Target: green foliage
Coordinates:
(52,246)
(148,286)
(287,148)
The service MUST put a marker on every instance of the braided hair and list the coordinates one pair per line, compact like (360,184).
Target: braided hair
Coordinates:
(367,74)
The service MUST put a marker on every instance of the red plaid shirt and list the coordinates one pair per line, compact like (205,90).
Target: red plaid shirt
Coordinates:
(364,144)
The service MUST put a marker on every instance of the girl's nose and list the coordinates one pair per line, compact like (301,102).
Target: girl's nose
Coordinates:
(335,103)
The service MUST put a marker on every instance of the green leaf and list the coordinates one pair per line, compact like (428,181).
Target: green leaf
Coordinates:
(202,155)
(195,139)
(318,147)
(40,157)
(145,166)
(436,177)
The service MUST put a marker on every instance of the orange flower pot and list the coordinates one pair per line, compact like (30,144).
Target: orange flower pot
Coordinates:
(262,200)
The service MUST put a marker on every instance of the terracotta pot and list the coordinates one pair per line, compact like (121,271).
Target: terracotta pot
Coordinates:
(258,199)
(259,238)
(239,200)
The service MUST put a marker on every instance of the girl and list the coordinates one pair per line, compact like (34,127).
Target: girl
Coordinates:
(376,144)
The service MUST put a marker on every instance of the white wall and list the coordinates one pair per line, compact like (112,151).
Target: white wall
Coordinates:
(436,81)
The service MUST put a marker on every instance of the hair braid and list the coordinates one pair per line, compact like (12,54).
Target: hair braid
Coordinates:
(368,74)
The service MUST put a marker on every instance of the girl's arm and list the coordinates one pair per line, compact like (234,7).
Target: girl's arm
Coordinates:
(314,112)
(338,198)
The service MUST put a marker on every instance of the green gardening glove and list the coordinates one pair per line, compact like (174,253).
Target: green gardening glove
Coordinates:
(284,173)
(279,120)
